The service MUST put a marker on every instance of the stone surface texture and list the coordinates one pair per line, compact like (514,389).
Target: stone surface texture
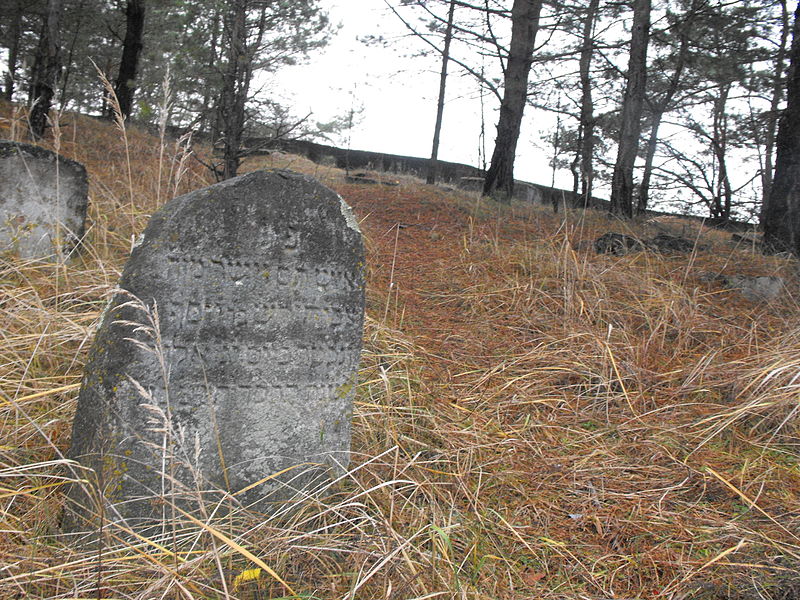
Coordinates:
(43,199)
(761,287)
(258,284)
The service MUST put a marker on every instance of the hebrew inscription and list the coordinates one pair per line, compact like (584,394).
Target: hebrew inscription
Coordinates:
(257,284)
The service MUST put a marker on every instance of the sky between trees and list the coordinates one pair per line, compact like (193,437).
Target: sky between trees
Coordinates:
(715,80)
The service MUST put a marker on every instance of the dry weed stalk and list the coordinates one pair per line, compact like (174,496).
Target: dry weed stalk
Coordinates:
(532,421)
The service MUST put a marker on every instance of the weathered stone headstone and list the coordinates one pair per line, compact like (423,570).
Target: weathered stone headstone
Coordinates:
(43,198)
(258,284)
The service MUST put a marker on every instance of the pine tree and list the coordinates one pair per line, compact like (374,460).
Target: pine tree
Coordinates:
(131,51)
(46,70)
(631,126)
(782,217)
(524,26)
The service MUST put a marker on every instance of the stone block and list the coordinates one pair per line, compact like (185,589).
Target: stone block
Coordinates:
(227,364)
(43,200)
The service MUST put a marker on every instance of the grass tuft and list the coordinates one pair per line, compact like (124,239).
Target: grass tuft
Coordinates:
(532,420)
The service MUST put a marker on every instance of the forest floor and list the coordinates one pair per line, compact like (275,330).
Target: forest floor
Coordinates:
(532,421)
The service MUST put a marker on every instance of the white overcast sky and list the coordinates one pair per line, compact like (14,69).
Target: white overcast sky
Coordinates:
(398,94)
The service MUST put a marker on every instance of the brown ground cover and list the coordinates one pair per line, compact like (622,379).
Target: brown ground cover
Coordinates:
(532,421)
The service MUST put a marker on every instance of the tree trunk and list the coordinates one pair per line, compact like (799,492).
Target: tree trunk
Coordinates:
(524,25)
(207,117)
(587,107)
(652,144)
(45,70)
(662,106)
(574,168)
(437,130)
(234,94)
(236,79)
(125,85)
(70,53)
(782,221)
(14,30)
(631,126)
(719,142)
(772,123)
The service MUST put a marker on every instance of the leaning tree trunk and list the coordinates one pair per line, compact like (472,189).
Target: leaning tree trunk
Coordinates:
(524,25)
(662,106)
(650,153)
(437,130)
(125,86)
(782,221)
(631,125)
(45,71)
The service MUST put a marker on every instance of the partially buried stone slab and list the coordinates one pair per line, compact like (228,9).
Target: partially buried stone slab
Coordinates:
(43,198)
(258,284)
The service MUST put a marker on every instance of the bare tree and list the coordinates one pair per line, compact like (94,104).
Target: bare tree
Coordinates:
(437,130)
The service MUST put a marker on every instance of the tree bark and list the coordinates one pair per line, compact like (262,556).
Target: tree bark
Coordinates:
(437,130)
(587,106)
(652,144)
(232,99)
(631,125)
(45,71)
(524,26)
(772,123)
(14,31)
(208,117)
(237,77)
(782,218)
(723,194)
(125,86)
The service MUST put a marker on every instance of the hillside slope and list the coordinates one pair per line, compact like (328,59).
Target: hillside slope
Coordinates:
(532,421)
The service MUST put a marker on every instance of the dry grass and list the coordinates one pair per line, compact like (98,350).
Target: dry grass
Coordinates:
(532,421)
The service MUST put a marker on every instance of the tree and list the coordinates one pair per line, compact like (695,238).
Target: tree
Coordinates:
(586,127)
(131,51)
(14,34)
(183,44)
(782,216)
(259,35)
(630,120)
(778,86)
(437,129)
(462,42)
(720,76)
(46,70)
(678,34)
(524,26)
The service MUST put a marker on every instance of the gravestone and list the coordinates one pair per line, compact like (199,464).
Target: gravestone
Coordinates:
(43,198)
(258,285)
